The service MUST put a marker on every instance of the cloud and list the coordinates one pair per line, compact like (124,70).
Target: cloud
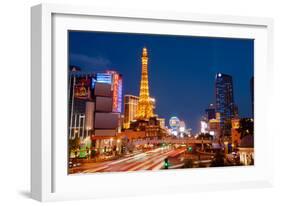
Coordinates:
(89,63)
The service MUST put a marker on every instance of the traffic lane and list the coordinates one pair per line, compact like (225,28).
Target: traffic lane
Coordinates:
(150,160)
(96,165)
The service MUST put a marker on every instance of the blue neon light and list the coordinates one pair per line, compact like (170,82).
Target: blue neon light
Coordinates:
(104,78)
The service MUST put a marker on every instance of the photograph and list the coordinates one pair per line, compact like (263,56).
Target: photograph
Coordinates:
(150,102)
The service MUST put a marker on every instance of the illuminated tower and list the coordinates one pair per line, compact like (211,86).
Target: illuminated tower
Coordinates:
(224,97)
(145,106)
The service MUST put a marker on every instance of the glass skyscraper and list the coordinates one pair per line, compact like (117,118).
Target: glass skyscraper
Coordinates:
(210,112)
(224,98)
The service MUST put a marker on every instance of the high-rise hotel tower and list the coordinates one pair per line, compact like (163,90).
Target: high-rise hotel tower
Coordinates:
(224,98)
(130,109)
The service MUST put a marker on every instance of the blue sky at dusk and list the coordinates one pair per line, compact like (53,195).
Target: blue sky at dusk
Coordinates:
(181,68)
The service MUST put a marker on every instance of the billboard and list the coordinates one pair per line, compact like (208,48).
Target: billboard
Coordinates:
(82,88)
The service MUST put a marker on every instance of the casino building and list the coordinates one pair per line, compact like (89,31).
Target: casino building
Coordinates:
(94,107)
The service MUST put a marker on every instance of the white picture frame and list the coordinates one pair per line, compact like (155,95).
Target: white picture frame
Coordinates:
(49,180)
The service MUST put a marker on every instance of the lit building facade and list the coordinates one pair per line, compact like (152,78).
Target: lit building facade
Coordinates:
(235,135)
(204,126)
(211,112)
(89,117)
(82,85)
(116,82)
(214,127)
(106,122)
(77,127)
(182,129)
(79,96)
(162,122)
(130,109)
(153,103)
(225,100)
(92,99)
(246,150)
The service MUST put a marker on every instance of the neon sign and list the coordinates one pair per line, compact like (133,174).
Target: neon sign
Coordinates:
(115,92)
(104,78)
(119,95)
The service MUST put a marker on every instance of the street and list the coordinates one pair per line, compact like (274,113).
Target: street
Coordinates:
(149,160)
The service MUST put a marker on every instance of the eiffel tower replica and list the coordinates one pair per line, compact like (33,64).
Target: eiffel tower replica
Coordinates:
(145,119)
(145,105)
